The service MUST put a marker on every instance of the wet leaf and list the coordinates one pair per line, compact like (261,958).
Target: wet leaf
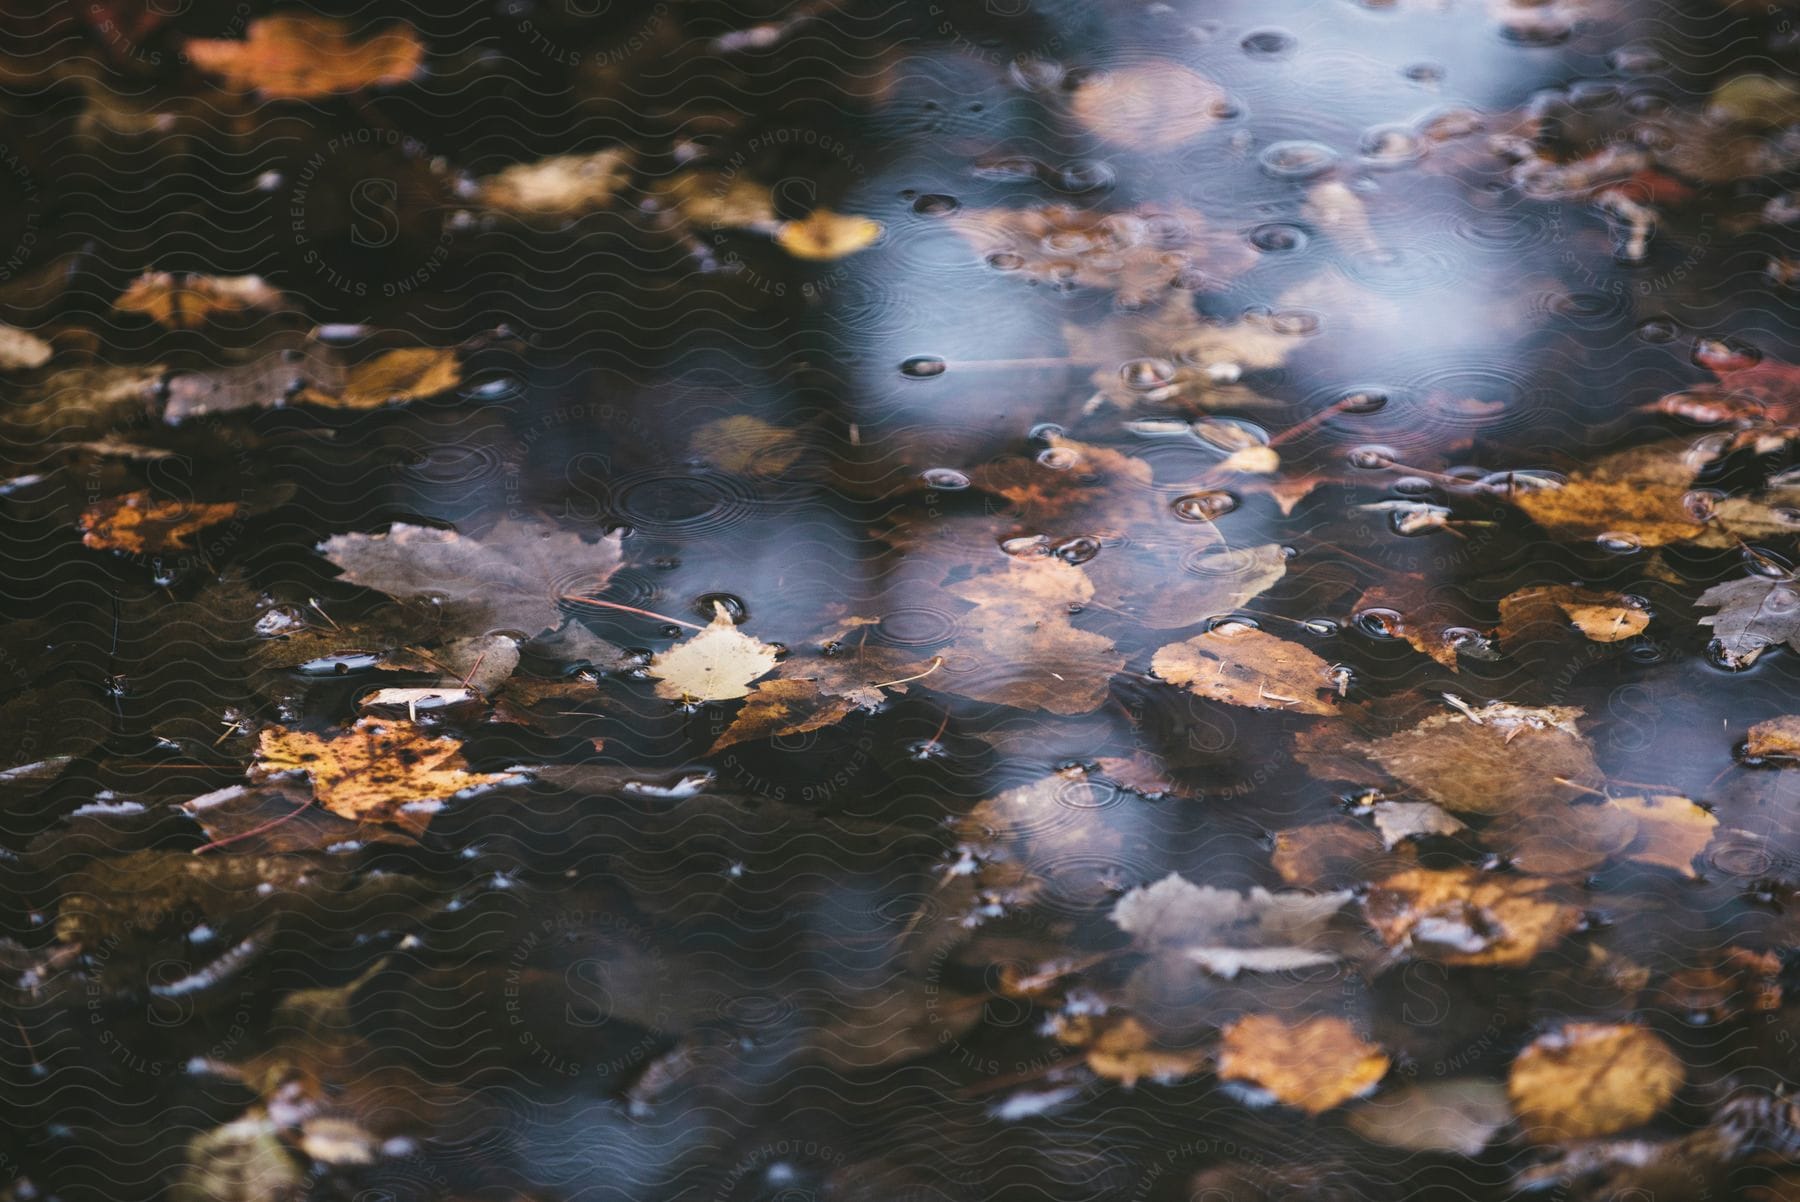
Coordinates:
(1154,106)
(21,350)
(1329,855)
(1459,1116)
(747,446)
(242,1161)
(1401,820)
(303,56)
(1755,613)
(562,186)
(1558,839)
(180,301)
(1589,1079)
(1018,647)
(391,378)
(1462,916)
(510,578)
(1227,932)
(140,524)
(1671,830)
(1491,760)
(1124,1051)
(1778,738)
(779,708)
(717,664)
(823,235)
(1044,835)
(376,771)
(1533,613)
(1241,665)
(1311,1064)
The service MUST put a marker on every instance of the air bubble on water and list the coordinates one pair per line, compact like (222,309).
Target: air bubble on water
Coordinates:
(1783,599)
(923,367)
(946,479)
(1205,506)
(1323,627)
(935,204)
(1370,458)
(1424,73)
(1026,545)
(1719,656)
(1363,401)
(1045,432)
(1078,550)
(1413,487)
(1701,504)
(735,608)
(1379,623)
(1229,434)
(1268,43)
(1619,542)
(1084,176)
(1297,159)
(1158,427)
(1725,354)
(1231,624)
(1277,236)
(1148,374)
(1390,146)
(1058,459)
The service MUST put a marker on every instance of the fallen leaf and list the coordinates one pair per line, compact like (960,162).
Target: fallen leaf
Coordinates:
(376,771)
(717,664)
(393,377)
(1053,833)
(1401,820)
(1312,1064)
(482,663)
(563,186)
(275,818)
(304,56)
(1755,613)
(183,301)
(1497,759)
(823,235)
(780,708)
(1431,624)
(1671,830)
(509,578)
(1154,106)
(1589,1079)
(1124,1051)
(1203,586)
(1329,855)
(1227,932)
(1777,738)
(1458,1116)
(746,446)
(1143,774)
(1463,916)
(1730,982)
(1532,613)
(21,350)
(1195,363)
(140,524)
(1241,665)
(1561,838)
(1332,207)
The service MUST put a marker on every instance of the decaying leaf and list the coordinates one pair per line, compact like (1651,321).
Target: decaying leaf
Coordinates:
(561,186)
(1777,738)
(1330,855)
(408,374)
(1191,361)
(779,708)
(1228,932)
(1155,106)
(1463,916)
(1431,624)
(1589,1079)
(1460,1115)
(747,445)
(1209,585)
(1241,665)
(1401,820)
(1312,1065)
(717,664)
(1123,1050)
(510,578)
(1018,646)
(181,301)
(303,56)
(1049,834)
(1495,759)
(1671,830)
(1561,838)
(21,350)
(1755,613)
(139,523)
(1731,982)
(376,771)
(824,235)
(1601,616)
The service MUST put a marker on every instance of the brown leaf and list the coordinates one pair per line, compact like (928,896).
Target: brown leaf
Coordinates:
(136,522)
(510,578)
(823,235)
(1777,738)
(747,446)
(1459,1115)
(1432,625)
(1462,916)
(1330,855)
(276,817)
(1123,1050)
(376,771)
(1547,610)
(717,664)
(303,56)
(1312,1065)
(1589,1079)
(777,708)
(1492,760)
(1560,838)
(1731,982)
(1050,833)
(1227,932)
(408,374)
(1241,665)
(563,186)
(1755,613)
(1157,105)
(1401,820)
(1671,830)
(181,301)
(1193,363)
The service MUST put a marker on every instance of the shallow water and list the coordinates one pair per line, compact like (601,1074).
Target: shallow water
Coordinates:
(1166,300)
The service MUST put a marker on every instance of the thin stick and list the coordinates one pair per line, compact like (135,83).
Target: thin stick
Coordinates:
(630,609)
(937,661)
(255,830)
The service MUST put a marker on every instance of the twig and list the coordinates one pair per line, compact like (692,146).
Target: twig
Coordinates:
(630,609)
(255,830)
(937,661)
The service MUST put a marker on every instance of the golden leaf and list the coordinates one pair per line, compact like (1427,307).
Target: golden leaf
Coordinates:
(822,235)
(1312,1065)
(20,349)
(1154,106)
(778,708)
(304,57)
(562,186)
(138,523)
(1601,616)
(715,665)
(1777,738)
(1671,830)
(744,445)
(180,301)
(1492,760)
(1241,665)
(1329,855)
(376,771)
(1589,1079)
(407,374)
(1463,916)
(1124,1051)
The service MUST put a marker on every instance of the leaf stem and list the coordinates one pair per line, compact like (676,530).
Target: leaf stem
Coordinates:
(630,609)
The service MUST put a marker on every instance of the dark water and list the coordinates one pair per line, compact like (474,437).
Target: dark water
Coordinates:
(648,969)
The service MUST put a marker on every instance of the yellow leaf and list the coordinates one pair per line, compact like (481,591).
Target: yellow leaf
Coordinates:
(564,185)
(1241,665)
(1462,916)
(715,665)
(139,523)
(823,234)
(1590,1079)
(179,301)
(1311,1065)
(302,56)
(408,374)
(1671,830)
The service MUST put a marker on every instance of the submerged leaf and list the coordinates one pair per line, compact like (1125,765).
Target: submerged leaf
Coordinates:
(1462,916)
(1241,665)
(1493,760)
(1601,616)
(1155,106)
(303,56)
(1589,1079)
(180,301)
(823,235)
(140,524)
(1312,1065)
(1458,1116)
(1755,613)
(1228,932)
(561,186)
